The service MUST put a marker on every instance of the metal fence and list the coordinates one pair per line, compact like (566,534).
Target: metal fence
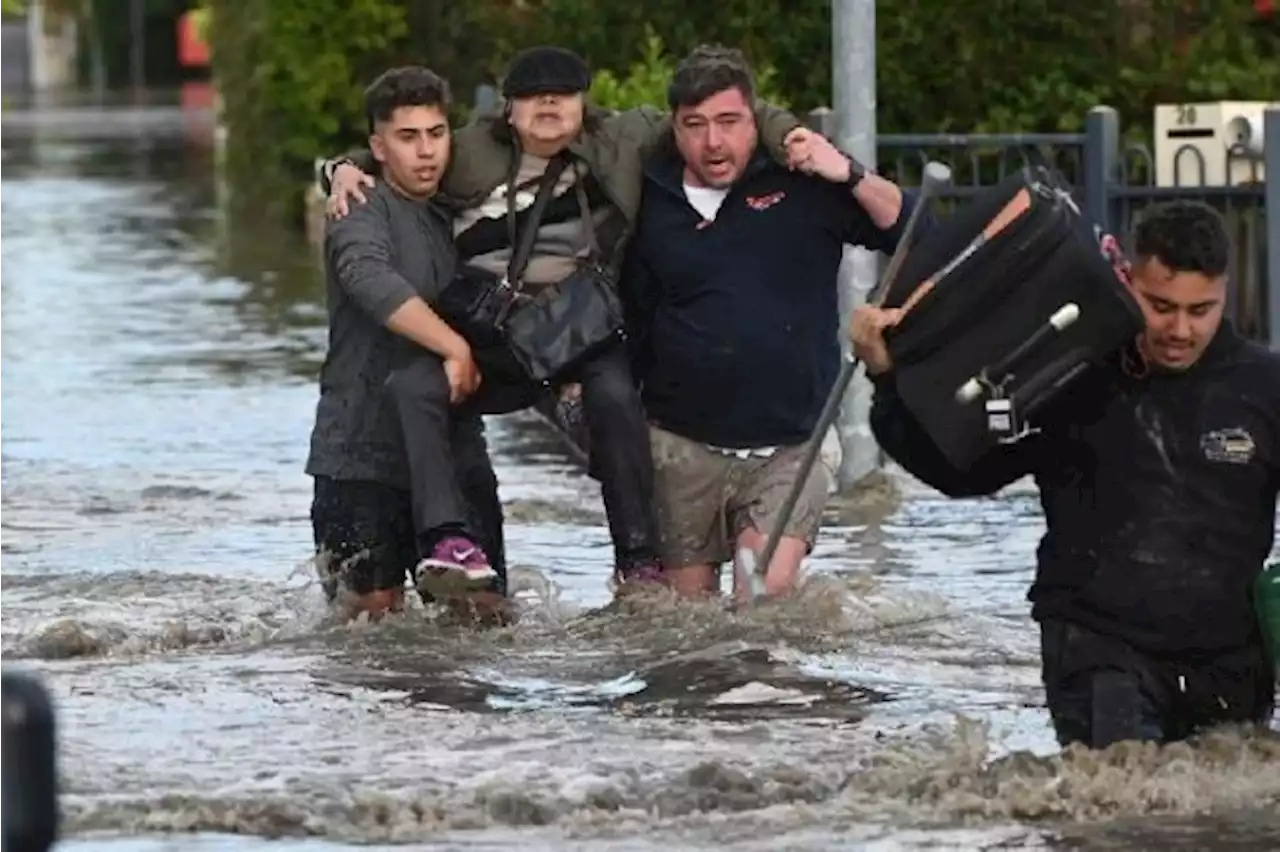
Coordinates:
(1115,181)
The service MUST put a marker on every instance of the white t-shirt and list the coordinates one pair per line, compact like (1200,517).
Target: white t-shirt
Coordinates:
(706,200)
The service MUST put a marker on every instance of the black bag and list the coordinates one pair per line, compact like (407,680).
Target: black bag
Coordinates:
(977,355)
(544,337)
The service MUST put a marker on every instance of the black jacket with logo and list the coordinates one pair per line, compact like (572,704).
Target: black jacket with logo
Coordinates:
(735,322)
(1159,495)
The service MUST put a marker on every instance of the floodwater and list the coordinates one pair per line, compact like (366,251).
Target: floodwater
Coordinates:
(158,389)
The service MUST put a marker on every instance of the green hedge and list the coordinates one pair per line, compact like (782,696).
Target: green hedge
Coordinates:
(291,71)
(289,76)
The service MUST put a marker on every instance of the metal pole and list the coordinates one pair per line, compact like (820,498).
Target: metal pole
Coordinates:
(853,43)
(1271,141)
(137,46)
(36,47)
(1101,164)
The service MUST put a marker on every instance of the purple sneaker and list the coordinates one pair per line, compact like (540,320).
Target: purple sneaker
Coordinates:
(455,567)
(643,573)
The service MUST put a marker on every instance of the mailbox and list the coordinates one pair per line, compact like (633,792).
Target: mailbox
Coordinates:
(1209,144)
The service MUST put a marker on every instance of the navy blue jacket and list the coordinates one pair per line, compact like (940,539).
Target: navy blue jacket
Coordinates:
(735,323)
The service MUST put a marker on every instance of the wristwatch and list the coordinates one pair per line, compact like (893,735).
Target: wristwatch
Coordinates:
(331,166)
(857,172)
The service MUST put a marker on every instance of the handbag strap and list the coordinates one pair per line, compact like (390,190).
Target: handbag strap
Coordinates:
(521,252)
(588,223)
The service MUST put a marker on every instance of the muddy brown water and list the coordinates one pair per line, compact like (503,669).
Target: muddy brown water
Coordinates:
(158,369)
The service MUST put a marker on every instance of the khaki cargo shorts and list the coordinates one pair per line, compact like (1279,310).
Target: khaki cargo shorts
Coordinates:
(705,498)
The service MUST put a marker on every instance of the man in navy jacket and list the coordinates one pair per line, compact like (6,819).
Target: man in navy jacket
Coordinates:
(732,288)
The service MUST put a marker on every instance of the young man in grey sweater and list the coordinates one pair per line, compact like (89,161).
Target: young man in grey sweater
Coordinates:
(385,264)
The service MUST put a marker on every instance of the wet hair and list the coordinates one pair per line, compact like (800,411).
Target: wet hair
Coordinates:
(410,86)
(709,70)
(1186,236)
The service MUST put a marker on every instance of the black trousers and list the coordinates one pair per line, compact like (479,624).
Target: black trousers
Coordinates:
(364,530)
(1101,690)
(618,437)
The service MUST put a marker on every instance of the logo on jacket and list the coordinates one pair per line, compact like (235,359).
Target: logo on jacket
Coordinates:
(764,202)
(1230,446)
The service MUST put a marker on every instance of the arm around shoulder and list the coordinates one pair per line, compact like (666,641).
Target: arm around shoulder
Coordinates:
(643,126)
(775,124)
(362,157)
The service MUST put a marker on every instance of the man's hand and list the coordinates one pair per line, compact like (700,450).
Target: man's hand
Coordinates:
(866,328)
(814,154)
(347,184)
(463,374)
(796,141)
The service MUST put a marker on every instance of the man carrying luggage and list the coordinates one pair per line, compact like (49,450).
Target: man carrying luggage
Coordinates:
(1158,474)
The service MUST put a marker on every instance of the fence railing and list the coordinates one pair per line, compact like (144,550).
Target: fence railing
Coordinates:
(1115,181)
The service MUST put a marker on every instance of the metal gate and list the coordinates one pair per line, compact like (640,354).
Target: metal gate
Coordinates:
(1115,182)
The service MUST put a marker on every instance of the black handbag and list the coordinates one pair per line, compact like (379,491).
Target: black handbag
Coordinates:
(549,335)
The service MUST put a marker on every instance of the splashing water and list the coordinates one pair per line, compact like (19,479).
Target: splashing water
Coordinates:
(157,574)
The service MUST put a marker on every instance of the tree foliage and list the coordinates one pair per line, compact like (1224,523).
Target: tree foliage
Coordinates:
(646,80)
(289,75)
(291,71)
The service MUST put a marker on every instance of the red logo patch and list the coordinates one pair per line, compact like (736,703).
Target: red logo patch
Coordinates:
(764,202)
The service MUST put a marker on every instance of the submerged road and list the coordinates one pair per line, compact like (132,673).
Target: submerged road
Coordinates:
(158,390)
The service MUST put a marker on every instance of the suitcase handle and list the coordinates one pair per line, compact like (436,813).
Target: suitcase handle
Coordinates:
(1062,319)
(1002,416)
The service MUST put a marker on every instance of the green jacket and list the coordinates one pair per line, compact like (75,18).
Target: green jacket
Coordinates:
(614,146)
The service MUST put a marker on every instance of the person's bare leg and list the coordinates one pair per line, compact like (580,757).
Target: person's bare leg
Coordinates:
(689,487)
(376,604)
(363,533)
(761,498)
(784,568)
(694,581)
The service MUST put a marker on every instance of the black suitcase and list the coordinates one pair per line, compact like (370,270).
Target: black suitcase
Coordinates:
(1010,300)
